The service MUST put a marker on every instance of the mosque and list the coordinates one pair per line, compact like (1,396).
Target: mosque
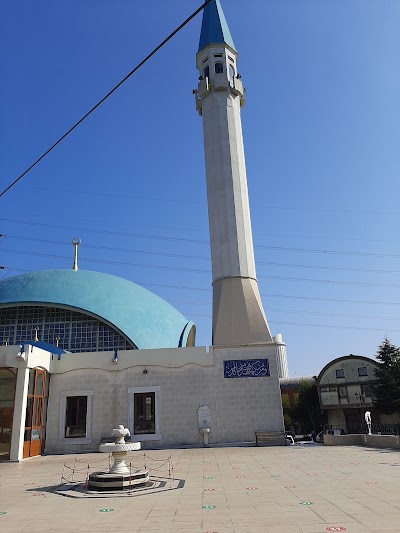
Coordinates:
(81,351)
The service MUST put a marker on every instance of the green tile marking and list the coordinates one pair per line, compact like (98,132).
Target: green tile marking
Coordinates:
(209,506)
(105,510)
(306,503)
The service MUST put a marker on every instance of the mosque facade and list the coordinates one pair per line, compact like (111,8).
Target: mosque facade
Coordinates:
(83,351)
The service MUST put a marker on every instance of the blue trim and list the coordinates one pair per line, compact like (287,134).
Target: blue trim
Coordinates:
(214,28)
(147,321)
(185,334)
(45,346)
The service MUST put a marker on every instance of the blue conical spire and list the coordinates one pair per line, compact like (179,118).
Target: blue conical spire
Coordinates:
(214,29)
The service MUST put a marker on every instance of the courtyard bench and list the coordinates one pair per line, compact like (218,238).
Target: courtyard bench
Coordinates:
(270,438)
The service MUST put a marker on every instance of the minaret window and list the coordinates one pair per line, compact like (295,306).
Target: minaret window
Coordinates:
(206,76)
(231,73)
(219,68)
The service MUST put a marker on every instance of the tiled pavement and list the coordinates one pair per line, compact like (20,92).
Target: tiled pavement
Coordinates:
(305,489)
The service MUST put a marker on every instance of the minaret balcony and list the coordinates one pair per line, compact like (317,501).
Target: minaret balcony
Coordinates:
(237,87)
(220,82)
(204,88)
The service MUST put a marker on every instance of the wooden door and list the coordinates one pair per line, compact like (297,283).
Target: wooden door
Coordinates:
(35,413)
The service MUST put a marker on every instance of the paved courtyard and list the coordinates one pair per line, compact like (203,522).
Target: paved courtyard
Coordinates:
(309,489)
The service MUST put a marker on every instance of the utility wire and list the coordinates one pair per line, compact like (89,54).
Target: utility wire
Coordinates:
(308,325)
(267,295)
(199,241)
(106,96)
(200,257)
(198,271)
(198,202)
(296,311)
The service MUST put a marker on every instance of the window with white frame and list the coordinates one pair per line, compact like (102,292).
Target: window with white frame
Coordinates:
(75,417)
(76,412)
(144,413)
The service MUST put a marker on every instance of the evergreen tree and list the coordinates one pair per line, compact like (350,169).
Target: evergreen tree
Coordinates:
(307,410)
(387,389)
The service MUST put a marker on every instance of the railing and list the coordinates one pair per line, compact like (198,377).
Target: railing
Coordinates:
(362,428)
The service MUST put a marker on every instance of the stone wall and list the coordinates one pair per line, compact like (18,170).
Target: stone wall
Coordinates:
(375,441)
(239,406)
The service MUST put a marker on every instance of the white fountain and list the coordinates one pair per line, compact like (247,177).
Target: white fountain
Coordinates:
(120,476)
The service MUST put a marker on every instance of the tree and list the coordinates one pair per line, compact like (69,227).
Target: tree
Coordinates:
(387,389)
(307,410)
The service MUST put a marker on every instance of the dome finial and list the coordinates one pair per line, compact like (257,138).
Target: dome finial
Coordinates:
(75,243)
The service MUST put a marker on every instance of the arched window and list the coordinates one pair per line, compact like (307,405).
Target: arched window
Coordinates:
(219,68)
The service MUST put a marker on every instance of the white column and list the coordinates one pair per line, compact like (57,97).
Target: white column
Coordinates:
(18,426)
(281,357)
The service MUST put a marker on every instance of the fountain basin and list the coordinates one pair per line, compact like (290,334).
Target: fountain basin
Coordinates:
(107,481)
(111,447)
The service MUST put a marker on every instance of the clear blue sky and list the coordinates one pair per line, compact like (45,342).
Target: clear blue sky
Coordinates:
(321,131)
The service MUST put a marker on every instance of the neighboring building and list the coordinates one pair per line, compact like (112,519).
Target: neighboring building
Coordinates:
(97,350)
(345,390)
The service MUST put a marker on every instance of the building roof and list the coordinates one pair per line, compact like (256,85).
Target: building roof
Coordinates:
(214,28)
(294,382)
(356,358)
(144,318)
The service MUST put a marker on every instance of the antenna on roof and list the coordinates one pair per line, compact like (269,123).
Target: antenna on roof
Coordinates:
(75,243)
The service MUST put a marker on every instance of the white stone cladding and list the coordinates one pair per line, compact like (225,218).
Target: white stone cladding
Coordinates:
(239,407)
(228,203)
(238,314)
(281,356)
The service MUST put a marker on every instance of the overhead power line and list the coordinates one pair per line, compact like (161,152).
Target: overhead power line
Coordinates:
(266,295)
(198,271)
(198,241)
(156,49)
(297,311)
(123,195)
(202,257)
(308,325)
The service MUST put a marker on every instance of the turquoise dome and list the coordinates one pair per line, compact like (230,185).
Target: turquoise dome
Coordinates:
(145,319)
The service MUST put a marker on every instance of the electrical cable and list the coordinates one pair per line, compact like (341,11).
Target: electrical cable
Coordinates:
(174,200)
(266,295)
(307,324)
(198,271)
(207,258)
(156,49)
(198,241)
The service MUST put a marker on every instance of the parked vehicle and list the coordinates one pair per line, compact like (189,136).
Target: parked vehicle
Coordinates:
(289,440)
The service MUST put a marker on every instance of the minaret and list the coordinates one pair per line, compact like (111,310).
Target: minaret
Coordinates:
(238,314)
